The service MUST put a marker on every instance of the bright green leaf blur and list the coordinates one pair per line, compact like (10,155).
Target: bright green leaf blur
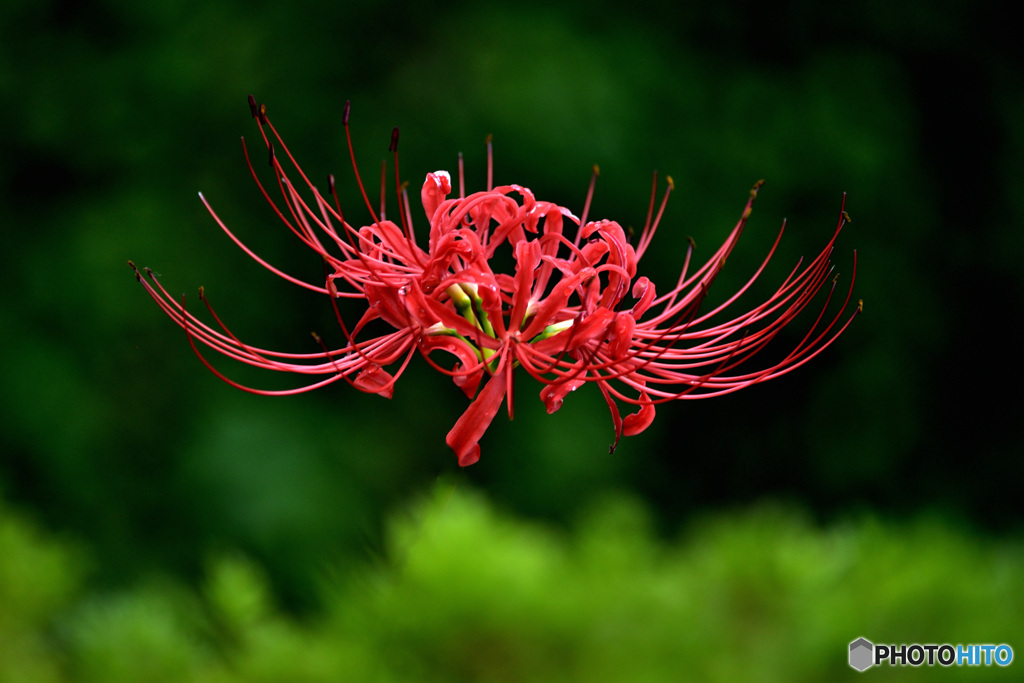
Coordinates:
(467,593)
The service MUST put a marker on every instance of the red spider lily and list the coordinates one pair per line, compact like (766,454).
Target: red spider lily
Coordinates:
(559,317)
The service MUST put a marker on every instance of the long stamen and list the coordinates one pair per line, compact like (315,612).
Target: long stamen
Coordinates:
(586,204)
(462,178)
(490,164)
(407,214)
(352,156)
(648,234)
(402,212)
(650,205)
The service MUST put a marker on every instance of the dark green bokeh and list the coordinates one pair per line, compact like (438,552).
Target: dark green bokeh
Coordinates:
(117,113)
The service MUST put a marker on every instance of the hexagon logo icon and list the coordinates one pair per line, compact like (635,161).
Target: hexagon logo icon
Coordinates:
(861,654)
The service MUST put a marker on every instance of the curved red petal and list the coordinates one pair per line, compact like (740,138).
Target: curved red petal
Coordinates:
(467,381)
(371,378)
(637,422)
(643,289)
(553,394)
(621,337)
(465,435)
(436,188)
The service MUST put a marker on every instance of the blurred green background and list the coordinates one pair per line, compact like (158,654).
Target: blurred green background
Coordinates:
(156,524)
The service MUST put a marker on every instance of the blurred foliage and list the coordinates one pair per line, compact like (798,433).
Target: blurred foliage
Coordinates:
(468,593)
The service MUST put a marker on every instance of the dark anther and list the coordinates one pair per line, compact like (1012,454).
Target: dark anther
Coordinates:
(394,140)
(270,148)
(263,113)
(138,276)
(252,106)
(330,182)
(344,117)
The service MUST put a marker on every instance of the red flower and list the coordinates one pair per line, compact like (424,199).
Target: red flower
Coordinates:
(560,317)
